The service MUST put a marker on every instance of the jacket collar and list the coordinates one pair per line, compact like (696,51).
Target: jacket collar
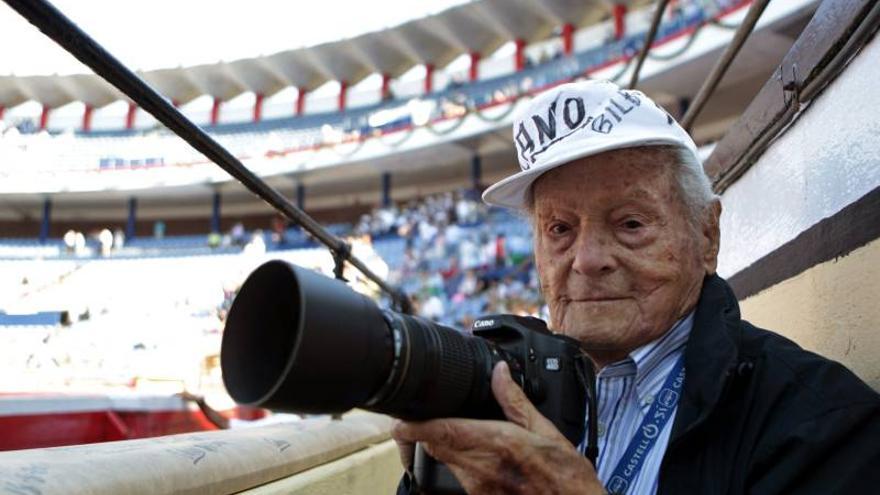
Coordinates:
(712,351)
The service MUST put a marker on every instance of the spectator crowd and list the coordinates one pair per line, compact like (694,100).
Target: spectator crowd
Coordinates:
(460,260)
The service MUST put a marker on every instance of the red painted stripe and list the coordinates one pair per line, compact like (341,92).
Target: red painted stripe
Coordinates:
(429,78)
(87,118)
(568,39)
(343,95)
(129,116)
(619,13)
(519,56)
(258,107)
(53,430)
(474,71)
(44,117)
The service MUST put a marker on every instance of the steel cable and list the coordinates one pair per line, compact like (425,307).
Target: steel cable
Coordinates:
(649,40)
(720,68)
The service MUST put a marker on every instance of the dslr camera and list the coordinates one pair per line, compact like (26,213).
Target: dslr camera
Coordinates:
(298,341)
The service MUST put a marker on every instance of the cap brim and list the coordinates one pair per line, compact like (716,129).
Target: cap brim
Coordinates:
(511,192)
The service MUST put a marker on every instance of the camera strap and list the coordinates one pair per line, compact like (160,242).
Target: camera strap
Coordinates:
(649,430)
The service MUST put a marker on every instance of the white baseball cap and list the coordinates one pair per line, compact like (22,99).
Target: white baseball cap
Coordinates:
(581,119)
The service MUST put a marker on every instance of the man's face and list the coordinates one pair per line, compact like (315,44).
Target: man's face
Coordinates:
(618,260)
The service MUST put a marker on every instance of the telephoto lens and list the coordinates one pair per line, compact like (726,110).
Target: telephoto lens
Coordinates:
(298,341)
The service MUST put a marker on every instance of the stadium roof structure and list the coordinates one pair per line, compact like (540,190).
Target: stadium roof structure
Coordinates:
(480,27)
(470,148)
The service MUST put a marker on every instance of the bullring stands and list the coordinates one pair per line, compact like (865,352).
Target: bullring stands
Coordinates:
(122,148)
(158,305)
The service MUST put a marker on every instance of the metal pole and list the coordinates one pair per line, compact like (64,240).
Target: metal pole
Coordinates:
(476,171)
(46,222)
(649,40)
(216,205)
(301,196)
(63,31)
(717,73)
(386,189)
(131,223)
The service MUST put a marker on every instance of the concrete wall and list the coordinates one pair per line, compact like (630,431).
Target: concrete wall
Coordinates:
(376,469)
(826,160)
(831,309)
(800,228)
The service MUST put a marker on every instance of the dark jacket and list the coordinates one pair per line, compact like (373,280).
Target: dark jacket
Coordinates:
(760,415)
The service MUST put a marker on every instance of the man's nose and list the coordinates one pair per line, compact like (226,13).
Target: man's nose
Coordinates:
(593,254)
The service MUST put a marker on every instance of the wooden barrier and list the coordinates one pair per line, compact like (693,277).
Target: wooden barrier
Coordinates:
(374,470)
(220,462)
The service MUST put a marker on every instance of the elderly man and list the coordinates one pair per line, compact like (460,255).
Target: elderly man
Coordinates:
(626,246)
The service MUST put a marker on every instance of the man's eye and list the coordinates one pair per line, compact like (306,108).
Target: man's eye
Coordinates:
(632,224)
(558,229)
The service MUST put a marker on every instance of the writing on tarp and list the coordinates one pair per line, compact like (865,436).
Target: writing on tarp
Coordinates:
(26,480)
(281,445)
(197,452)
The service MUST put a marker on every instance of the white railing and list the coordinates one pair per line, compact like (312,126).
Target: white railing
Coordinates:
(353,455)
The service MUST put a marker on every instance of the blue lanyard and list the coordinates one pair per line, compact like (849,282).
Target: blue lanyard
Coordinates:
(658,415)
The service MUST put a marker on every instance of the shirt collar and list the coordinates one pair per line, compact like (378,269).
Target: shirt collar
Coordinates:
(643,360)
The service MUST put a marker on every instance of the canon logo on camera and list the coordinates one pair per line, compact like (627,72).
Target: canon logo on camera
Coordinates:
(483,323)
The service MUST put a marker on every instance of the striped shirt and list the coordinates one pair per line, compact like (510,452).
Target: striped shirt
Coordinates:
(625,390)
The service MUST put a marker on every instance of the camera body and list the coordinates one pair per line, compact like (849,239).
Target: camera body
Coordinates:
(554,373)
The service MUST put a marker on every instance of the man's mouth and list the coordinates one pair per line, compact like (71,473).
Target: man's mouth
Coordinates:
(593,299)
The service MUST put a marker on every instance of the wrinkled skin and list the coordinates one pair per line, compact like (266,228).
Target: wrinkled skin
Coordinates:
(619,262)
(618,258)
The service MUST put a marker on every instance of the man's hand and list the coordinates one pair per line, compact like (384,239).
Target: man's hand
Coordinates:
(526,455)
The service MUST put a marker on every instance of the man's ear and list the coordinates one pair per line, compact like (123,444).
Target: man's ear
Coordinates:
(711,237)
